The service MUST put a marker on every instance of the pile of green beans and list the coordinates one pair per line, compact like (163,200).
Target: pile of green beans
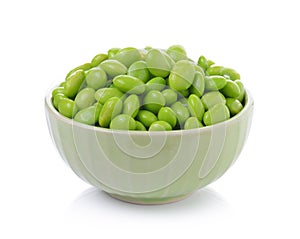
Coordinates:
(149,89)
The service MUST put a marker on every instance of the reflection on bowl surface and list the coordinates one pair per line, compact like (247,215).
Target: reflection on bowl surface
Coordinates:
(149,167)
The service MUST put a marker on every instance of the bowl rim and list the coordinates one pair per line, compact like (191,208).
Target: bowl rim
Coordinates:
(249,102)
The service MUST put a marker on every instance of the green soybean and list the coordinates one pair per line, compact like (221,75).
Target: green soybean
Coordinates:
(153,101)
(196,107)
(83,67)
(67,107)
(112,52)
(113,67)
(242,90)
(146,117)
(198,85)
(85,98)
(215,70)
(98,59)
(202,61)
(73,83)
(110,109)
(129,84)
(182,113)
(168,115)
(177,53)
(131,105)
(96,78)
(159,63)
(160,126)
(140,126)
(233,75)
(57,98)
(231,89)
(88,115)
(182,75)
(192,123)
(170,96)
(156,83)
(57,90)
(234,105)
(139,70)
(127,56)
(216,114)
(123,122)
(103,94)
(215,82)
(212,98)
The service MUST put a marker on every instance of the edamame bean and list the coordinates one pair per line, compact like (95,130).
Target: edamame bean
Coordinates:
(182,113)
(182,75)
(170,96)
(156,83)
(159,63)
(198,85)
(242,91)
(88,115)
(131,105)
(177,53)
(129,84)
(203,62)
(113,67)
(160,126)
(127,56)
(110,109)
(153,101)
(98,59)
(123,122)
(73,83)
(215,70)
(234,105)
(139,70)
(57,98)
(112,52)
(67,107)
(96,78)
(215,82)
(140,126)
(212,98)
(103,94)
(83,67)
(57,90)
(231,89)
(196,107)
(216,114)
(168,115)
(192,123)
(146,117)
(85,98)
(233,75)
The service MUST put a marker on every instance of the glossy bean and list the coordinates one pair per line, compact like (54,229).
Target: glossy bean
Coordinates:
(182,113)
(85,98)
(112,52)
(96,78)
(57,98)
(139,126)
(153,101)
(168,115)
(73,83)
(110,109)
(58,90)
(177,53)
(83,67)
(88,115)
(233,75)
(234,105)
(170,96)
(131,105)
(215,70)
(98,59)
(216,114)
(212,98)
(202,61)
(156,83)
(196,107)
(67,107)
(242,91)
(113,67)
(146,117)
(159,63)
(127,56)
(215,82)
(139,70)
(160,126)
(182,75)
(231,89)
(192,123)
(103,94)
(198,85)
(129,84)
(123,122)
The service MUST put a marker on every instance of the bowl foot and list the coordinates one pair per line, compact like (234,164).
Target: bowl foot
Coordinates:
(149,201)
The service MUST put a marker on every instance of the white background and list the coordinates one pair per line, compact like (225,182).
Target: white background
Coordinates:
(41,40)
